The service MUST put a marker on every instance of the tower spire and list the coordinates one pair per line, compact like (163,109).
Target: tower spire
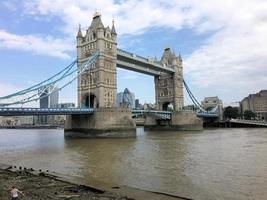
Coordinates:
(97,22)
(79,34)
(113,30)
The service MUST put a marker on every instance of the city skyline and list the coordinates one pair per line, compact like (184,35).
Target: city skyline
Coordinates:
(37,39)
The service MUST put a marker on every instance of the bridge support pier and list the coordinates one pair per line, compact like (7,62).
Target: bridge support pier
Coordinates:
(104,122)
(180,121)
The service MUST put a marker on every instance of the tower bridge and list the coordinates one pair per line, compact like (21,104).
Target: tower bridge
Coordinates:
(97,60)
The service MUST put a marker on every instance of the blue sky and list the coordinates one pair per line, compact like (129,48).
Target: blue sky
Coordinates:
(223,43)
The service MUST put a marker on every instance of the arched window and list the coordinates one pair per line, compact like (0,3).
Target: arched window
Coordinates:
(165,92)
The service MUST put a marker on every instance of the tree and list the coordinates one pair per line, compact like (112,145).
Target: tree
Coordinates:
(231,112)
(248,114)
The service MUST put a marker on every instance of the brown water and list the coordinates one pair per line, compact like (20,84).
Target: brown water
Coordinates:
(212,164)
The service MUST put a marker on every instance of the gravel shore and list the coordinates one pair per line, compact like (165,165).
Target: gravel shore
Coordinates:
(40,187)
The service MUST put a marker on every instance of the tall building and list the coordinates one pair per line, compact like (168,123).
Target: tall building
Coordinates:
(137,104)
(44,100)
(126,98)
(256,103)
(50,101)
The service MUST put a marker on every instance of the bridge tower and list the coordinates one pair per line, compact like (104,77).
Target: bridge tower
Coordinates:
(98,86)
(169,87)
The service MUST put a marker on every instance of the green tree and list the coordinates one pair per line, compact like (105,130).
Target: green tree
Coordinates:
(231,112)
(248,114)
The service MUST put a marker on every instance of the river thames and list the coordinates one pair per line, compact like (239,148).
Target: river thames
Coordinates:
(210,164)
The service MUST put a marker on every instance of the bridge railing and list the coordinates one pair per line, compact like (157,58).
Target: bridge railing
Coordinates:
(43,110)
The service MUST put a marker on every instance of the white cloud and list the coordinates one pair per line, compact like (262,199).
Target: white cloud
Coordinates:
(38,45)
(234,58)
(132,17)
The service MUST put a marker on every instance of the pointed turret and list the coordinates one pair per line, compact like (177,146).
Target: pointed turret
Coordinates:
(97,22)
(79,34)
(167,56)
(108,29)
(180,58)
(113,30)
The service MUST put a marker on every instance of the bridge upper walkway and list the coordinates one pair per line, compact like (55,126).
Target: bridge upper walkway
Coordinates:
(133,62)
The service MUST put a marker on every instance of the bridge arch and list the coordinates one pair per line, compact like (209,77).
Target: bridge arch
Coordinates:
(90,100)
(167,106)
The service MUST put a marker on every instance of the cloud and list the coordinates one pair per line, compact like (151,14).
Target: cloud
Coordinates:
(233,61)
(132,17)
(233,58)
(48,45)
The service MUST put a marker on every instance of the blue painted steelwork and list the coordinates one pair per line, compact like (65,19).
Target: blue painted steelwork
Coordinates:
(44,111)
(8,111)
(201,112)
(41,84)
(54,83)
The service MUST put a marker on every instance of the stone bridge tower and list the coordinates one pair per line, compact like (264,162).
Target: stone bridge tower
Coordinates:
(98,86)
(169,87)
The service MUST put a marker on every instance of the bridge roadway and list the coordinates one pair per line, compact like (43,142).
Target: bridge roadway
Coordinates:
(8,111)
(13,111)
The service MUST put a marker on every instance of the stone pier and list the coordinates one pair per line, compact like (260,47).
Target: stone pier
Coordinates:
(104,122)
(180,121)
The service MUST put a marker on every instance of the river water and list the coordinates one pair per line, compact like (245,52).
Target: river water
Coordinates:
(210,164)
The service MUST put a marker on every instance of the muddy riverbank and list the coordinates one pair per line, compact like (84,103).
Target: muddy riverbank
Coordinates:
(39,185)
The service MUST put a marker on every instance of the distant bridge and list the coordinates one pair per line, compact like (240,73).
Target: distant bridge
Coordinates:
(249,122)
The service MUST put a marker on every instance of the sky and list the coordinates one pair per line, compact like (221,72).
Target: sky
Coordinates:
(223,43)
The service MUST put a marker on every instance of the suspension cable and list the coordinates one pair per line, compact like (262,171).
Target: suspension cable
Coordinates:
(40,88)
